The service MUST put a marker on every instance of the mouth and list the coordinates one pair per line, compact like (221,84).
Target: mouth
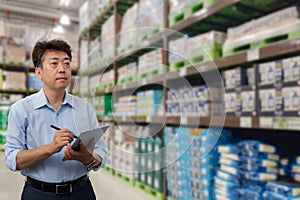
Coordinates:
(61,78)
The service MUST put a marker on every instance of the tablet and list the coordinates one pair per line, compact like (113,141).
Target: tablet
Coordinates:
(89,138)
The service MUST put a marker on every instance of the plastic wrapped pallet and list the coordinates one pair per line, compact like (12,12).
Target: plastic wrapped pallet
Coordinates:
(205,47)
(83,16)
(150,14)
(178,52)
(84,55)
(108,36)
(283,23)
(15,54)
(151,62)
(15,80)
(128,32)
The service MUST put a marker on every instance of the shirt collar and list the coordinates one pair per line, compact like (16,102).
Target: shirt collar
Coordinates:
(41,100)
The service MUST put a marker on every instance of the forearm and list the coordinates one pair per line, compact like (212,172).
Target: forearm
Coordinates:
(29,158)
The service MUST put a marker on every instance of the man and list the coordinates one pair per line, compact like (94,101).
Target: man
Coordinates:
(37,150)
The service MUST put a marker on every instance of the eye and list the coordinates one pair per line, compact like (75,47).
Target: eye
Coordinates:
(53,64)
(67,64)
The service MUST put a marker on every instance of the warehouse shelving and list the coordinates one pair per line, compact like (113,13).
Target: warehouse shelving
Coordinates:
(192,25)
(22,69)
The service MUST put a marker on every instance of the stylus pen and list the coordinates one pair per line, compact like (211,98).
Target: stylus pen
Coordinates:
(56,128)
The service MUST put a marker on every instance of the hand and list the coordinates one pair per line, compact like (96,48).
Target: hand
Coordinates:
(83,155)
(61,138)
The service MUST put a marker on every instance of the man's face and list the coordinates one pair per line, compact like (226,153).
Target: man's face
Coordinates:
(56,70)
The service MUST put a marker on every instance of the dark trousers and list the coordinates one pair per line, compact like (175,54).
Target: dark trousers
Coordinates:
(85,192)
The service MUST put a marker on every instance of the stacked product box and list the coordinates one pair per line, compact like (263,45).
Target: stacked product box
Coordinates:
(283,24)
(123,156)
(270,99)
(240,96)
(110,150)
(108,41)
(281,190)
(149,161)
(103,105)
(4,110)
(194,101)
(151,64)
(125,106)
(291,100)
(127,73)
(149,103)
(127,160)
(150,14)
(291,69)
(244,169)
(128,32)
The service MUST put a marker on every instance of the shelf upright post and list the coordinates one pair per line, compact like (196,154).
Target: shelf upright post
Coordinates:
(165,63)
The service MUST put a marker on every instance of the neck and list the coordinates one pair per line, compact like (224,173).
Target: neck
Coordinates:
(55,98)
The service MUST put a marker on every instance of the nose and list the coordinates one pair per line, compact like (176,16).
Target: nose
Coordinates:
(61,68)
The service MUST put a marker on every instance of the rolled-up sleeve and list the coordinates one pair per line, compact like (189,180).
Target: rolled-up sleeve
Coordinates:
(15,138)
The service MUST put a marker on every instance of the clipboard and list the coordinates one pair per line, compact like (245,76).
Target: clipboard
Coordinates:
(89,138)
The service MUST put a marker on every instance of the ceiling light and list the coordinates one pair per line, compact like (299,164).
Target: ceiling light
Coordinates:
(65,20)
(58,29)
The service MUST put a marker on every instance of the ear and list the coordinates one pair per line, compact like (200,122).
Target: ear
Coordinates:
(38,72)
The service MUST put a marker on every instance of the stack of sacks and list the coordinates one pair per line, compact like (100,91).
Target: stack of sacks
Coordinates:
(177,141)
(258,160)
(227,178)
(281,191)
(295,168)
(284,169)
(243,169)
(252,189)
(203,163)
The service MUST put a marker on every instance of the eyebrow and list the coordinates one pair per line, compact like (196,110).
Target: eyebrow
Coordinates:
(56,58)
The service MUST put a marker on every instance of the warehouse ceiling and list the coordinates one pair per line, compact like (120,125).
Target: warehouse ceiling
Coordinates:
(27,20)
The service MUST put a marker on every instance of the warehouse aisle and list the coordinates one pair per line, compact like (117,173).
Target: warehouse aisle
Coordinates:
(107,187)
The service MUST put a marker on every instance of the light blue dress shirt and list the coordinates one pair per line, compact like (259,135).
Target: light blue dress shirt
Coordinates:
(29,123)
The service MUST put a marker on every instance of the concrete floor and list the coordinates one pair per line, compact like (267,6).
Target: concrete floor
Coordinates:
(106,186)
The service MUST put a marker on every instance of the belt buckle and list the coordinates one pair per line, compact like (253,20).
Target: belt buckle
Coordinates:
(63,189)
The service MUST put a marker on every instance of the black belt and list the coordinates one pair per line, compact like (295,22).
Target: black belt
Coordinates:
(58,188)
